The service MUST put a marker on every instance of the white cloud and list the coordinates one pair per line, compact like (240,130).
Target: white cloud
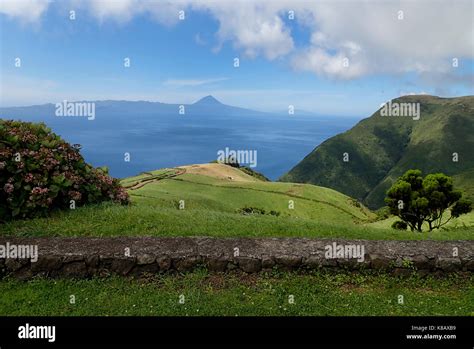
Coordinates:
(376,41)
(25,10)
(405,93)
(199,40)
(255,28)
(367,33)
(191,82)
(321,62)
(122,11)
(163,11)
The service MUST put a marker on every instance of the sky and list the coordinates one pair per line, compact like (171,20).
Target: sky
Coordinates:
(327,57)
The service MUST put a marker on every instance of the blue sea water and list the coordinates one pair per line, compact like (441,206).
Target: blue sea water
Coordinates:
(165,141)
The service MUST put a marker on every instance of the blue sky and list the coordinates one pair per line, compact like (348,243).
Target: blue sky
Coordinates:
(283,61)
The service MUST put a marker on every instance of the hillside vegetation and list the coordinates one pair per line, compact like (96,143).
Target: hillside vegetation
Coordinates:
(222,201)
(382,148)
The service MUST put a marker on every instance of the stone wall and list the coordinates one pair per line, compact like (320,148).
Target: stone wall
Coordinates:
(85,257)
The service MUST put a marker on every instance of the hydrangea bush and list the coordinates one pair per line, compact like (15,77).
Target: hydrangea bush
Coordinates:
(40,172)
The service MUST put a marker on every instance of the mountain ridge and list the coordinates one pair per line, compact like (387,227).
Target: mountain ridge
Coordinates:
(207,105)
(381,148)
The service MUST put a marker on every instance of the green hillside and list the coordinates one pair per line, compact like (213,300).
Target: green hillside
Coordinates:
(223,201)
(381,148)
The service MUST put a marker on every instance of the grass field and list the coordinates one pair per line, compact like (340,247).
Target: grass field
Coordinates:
(213,196)
(241,294)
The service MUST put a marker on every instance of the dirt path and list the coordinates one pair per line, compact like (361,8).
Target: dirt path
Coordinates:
(141,183)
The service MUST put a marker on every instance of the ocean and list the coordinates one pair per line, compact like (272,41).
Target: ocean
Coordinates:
(158,141)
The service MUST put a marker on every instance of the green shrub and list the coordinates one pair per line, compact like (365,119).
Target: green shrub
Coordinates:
(383,213)
(251,210)
(400,225)
(355,203)
(40,172)
(254,173)
(248,210)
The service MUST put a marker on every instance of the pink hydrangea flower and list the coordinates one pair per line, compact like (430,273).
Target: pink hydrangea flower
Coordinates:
(29,178)
(8,188)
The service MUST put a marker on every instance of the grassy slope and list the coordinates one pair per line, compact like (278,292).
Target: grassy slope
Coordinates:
(382,148)
(239,294)
(211,206)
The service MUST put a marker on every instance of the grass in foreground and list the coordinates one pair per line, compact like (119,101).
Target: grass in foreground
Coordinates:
(241,294)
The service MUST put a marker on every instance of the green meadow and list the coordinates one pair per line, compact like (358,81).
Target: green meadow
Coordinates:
(234,294)
(222,201)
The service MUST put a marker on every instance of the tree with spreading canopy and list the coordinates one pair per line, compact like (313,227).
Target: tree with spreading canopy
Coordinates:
(416,199)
